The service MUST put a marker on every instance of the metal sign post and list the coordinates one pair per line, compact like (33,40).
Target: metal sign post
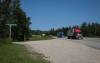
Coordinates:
(10,26)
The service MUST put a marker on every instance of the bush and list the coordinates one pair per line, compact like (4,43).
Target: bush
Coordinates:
(5,41)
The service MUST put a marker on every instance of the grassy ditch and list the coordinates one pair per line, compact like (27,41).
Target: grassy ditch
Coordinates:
(12,53)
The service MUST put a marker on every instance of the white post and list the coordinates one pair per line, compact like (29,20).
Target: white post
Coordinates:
(10,31)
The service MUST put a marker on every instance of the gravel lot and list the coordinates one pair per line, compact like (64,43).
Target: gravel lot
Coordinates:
(67,51)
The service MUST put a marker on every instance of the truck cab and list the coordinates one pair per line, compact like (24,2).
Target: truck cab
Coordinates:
(74,33)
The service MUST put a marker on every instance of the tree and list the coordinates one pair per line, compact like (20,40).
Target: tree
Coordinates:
(90,29)
(84,29)
(12,13)
(4,16)
(22,22)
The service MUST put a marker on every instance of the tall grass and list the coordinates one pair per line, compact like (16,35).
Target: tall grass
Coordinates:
(11,53)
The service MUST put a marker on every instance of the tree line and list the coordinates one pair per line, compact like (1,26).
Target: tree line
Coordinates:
(12,13)
(88,29)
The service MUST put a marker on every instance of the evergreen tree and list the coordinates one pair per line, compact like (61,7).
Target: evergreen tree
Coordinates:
(22,22)
(12,13)
(4,16)
(84,29)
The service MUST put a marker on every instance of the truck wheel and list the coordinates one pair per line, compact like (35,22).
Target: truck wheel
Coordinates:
(73,37)
(68,37)
(80,37)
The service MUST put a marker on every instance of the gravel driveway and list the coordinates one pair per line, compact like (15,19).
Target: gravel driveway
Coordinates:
(65,51)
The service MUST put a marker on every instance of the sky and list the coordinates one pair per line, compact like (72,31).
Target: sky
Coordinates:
(47,14)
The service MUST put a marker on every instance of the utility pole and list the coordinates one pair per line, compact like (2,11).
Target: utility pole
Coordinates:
(10,31)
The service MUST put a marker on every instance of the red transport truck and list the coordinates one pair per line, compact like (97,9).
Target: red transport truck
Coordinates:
(74,33)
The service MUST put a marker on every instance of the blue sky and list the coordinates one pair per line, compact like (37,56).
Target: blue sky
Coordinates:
(47,14)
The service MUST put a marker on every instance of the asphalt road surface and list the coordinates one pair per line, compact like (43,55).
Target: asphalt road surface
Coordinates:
(63,50)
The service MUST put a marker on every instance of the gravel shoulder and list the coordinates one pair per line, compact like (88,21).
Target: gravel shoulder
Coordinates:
(65,51)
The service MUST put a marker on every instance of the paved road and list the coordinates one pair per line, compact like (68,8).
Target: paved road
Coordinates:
(66,51)
(90,42)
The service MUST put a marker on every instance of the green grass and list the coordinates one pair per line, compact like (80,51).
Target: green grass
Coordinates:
(11,53)
(39,37)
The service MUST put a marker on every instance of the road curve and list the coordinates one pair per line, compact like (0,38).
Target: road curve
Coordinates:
(65,51)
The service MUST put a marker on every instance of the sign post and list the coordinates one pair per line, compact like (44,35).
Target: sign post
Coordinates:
(10,26)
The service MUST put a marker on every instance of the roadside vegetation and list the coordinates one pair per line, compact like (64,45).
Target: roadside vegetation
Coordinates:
(12,53)
(14,26)
(40,37)
(88,29)
(14,22)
